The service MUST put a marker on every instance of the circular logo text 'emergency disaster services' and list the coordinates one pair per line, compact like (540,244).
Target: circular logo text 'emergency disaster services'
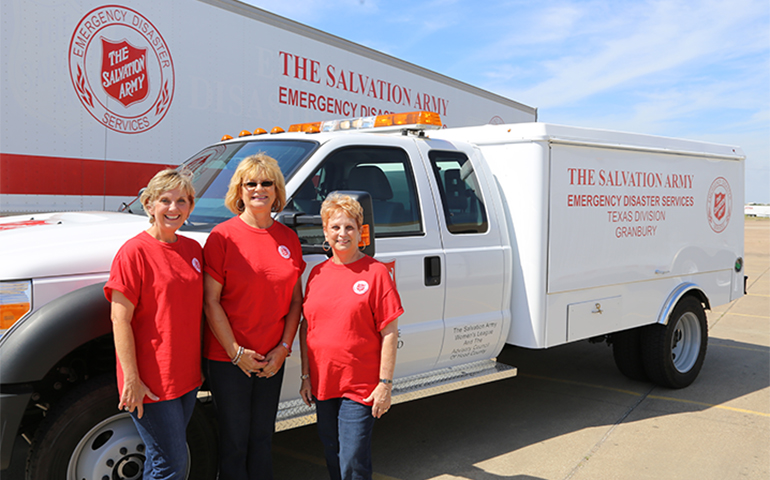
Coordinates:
(719,204)
(121,69)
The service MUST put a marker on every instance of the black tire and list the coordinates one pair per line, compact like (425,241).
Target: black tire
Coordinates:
(673,354)
(85,436)
(627,352)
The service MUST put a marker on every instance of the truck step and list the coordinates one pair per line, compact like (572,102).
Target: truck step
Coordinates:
(295,413)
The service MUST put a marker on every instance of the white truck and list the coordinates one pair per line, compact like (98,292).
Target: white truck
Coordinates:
(530,234)
(96,96)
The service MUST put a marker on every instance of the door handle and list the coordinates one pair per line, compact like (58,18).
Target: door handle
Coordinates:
(432,271)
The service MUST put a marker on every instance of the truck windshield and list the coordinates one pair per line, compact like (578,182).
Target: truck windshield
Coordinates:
(213,167)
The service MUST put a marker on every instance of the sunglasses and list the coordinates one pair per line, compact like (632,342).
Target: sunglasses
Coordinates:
(253,185)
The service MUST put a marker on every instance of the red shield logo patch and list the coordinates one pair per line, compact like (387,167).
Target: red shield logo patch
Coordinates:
(720,206)
(124,72)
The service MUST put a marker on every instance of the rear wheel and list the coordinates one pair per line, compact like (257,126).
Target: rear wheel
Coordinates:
(673,354)
(627,351)
(86,437)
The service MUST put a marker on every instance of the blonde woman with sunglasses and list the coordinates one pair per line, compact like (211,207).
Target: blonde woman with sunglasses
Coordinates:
(252,301)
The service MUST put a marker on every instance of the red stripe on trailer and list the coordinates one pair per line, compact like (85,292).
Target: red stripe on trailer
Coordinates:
(38,175)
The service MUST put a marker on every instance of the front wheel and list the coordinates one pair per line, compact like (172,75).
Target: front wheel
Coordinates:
(86,436)
(673,354)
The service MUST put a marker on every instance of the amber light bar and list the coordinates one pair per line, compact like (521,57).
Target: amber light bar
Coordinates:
(417,120)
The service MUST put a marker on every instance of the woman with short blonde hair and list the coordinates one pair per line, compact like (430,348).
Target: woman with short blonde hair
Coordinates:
(156,294)
(345,203)
(348,342)
(165,181)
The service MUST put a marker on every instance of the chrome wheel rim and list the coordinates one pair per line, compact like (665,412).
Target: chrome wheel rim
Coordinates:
(686,342)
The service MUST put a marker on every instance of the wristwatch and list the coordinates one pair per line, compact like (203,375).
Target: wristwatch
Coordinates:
(386,381)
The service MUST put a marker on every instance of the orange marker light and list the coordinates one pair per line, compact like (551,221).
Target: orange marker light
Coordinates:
(366,239)
(260,131)
(412,118)
(277,130)
(314,127)
(244,133)
(226,137)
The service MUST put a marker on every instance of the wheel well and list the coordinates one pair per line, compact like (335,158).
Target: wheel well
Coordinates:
(93,358)
(700,296)
(681,292)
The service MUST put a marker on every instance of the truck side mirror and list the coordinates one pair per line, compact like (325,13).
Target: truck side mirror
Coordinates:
(309,227)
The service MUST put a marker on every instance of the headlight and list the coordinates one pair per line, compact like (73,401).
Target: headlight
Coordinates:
(15,302)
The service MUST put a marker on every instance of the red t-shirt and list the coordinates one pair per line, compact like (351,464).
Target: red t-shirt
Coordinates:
(346,307)
(258,269)
(164,282)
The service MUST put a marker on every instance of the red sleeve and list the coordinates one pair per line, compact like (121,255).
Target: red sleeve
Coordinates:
(387,306)
(125,275)
(214,257)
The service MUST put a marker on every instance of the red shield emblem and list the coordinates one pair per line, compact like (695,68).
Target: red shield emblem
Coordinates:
(124,72)
(720,206)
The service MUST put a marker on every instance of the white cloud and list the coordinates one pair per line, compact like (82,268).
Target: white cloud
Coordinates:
(670,36)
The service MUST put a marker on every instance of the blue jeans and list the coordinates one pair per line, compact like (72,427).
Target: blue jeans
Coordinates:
(163,429)
(246,409)
(345,428)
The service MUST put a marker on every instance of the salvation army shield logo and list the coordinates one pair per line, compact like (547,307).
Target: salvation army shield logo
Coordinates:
(121,69)
(719,204)
(124,72)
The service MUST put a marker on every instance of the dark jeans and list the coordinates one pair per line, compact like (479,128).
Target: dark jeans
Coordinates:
(345,428)
(163,428)
(246,410)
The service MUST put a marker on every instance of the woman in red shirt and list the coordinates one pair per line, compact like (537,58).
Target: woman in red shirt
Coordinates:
(156,291)
(348,342)
(252,301)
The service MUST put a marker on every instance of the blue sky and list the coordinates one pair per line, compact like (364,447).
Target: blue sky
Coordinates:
(691,69)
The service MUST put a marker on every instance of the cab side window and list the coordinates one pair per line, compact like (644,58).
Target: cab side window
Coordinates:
(383,172)
(460,196)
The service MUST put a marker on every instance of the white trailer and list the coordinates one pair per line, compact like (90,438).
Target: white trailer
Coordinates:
(95,97)
(753,210)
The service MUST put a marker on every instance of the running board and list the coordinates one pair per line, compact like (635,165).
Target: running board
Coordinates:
(295,413)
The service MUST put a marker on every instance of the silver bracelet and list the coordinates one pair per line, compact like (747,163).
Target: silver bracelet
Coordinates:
(237,357)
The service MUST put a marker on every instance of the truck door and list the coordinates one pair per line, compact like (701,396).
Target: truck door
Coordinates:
(406,232)
(474,260)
